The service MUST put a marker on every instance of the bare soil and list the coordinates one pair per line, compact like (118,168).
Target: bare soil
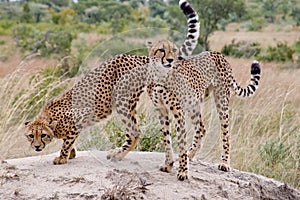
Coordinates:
(92,176)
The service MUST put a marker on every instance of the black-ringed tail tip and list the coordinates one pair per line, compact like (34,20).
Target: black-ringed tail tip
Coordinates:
(255,67)
(191,40)
(254,82)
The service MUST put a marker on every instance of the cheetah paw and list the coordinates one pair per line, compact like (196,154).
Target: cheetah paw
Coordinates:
(60,160)
(166,168)
(182,176)
(191,154)
(224,167)
(72,154)
(116,154)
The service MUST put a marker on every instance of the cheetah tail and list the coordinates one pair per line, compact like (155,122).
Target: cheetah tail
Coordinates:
(192,36)
(254,82)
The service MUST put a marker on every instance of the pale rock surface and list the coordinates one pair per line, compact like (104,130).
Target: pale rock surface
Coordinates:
(92,176)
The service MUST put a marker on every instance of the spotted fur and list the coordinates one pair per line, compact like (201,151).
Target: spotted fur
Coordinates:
(89,101)
(179,89)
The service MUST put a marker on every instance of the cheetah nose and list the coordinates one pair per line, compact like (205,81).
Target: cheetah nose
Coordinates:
(170,60)
(37,147)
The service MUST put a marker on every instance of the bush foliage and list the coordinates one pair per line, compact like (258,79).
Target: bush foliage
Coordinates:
(279,53)
(241,49)
(32,40)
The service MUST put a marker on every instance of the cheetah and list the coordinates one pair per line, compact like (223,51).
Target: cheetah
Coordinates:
(179,88)
(90,100)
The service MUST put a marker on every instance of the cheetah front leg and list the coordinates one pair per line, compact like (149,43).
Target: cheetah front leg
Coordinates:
(67,150)
(175,107)
(157,95)
(181,134)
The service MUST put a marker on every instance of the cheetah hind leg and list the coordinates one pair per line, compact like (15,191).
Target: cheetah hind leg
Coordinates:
(132,131)
(126,101)
(222,103)
(200,133)
(121,152)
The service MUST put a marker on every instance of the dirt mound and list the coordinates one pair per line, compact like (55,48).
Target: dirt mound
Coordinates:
(91,176)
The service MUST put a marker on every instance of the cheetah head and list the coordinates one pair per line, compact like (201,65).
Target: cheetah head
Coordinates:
(163,53)
(39,133)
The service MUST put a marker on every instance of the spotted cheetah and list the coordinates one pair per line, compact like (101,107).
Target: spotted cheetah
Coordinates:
(90,99)
(179,88)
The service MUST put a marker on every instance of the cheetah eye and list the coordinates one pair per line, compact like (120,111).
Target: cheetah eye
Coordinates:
(43,135)
(162,50)
(174,50)
(30,136)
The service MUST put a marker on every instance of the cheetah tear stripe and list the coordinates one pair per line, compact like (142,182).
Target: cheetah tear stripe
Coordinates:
(191,40)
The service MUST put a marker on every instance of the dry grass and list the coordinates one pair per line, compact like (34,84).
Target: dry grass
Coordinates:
(272,114)
(221,38)
(126,185)
(16,106)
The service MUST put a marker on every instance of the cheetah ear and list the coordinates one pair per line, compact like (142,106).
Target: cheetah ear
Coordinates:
(26,123)
(53,125)
(149,45)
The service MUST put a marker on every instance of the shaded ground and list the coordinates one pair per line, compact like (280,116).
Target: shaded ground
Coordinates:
(91,176)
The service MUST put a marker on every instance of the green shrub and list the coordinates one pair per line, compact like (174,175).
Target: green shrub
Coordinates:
(63,17)
(151,138)
(274,152)
(256,24)
(280,53)
(32,40)
(86,28)
(280,160)
(117,45)
(241,49)
(296,46)
(278,156)
(296,14)
(6,27)
(114,129)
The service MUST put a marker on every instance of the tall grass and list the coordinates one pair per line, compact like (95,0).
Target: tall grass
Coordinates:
(265,129)
(22,96)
